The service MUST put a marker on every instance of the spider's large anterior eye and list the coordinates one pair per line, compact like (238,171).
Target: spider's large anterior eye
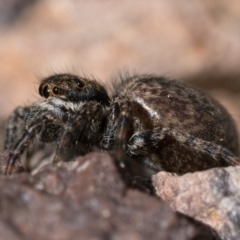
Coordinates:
(55,90)
(79,83)
(45,92)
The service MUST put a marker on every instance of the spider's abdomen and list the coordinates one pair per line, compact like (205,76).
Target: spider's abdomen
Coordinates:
(158,102)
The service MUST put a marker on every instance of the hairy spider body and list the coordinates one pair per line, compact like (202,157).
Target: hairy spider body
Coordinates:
(161,123)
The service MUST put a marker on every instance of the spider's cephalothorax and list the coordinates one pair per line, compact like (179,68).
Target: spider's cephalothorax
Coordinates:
(160,123)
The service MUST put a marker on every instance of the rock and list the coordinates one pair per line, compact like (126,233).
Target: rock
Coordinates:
(211,197)
(87,199)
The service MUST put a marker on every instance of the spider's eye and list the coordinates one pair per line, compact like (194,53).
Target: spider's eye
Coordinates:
(55,90)
(79,83)
(45,92)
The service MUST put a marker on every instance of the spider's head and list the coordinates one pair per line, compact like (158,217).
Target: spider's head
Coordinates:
(74,89)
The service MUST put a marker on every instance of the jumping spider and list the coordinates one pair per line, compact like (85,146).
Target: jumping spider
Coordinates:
(161,123)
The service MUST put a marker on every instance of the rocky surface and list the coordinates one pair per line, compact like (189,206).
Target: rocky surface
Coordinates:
(211,197)
(87,199)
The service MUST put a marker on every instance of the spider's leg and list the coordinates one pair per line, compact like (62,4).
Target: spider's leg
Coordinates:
(29,133)
(124,131)
(108,136)
(68,129)
(141,143)
(12,125)
(84,126)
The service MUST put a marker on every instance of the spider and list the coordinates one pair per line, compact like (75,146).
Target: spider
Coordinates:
(160,123)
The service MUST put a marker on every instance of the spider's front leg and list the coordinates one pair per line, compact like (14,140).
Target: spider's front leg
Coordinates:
(107,141)
(143,143)
(119,129)
(20,113)
(124,132)
(29,133)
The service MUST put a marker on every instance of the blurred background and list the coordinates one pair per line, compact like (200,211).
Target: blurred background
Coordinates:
(194,41)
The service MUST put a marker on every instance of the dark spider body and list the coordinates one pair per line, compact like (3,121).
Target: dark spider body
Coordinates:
(160,123)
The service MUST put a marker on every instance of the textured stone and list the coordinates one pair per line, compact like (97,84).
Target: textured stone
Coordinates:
(87,199)
(211,197)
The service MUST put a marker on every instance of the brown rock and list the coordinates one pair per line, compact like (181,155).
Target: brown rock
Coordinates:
(87,199)
(211,197)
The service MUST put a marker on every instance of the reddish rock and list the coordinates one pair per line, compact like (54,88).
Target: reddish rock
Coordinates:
(87,199)
(211,197)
